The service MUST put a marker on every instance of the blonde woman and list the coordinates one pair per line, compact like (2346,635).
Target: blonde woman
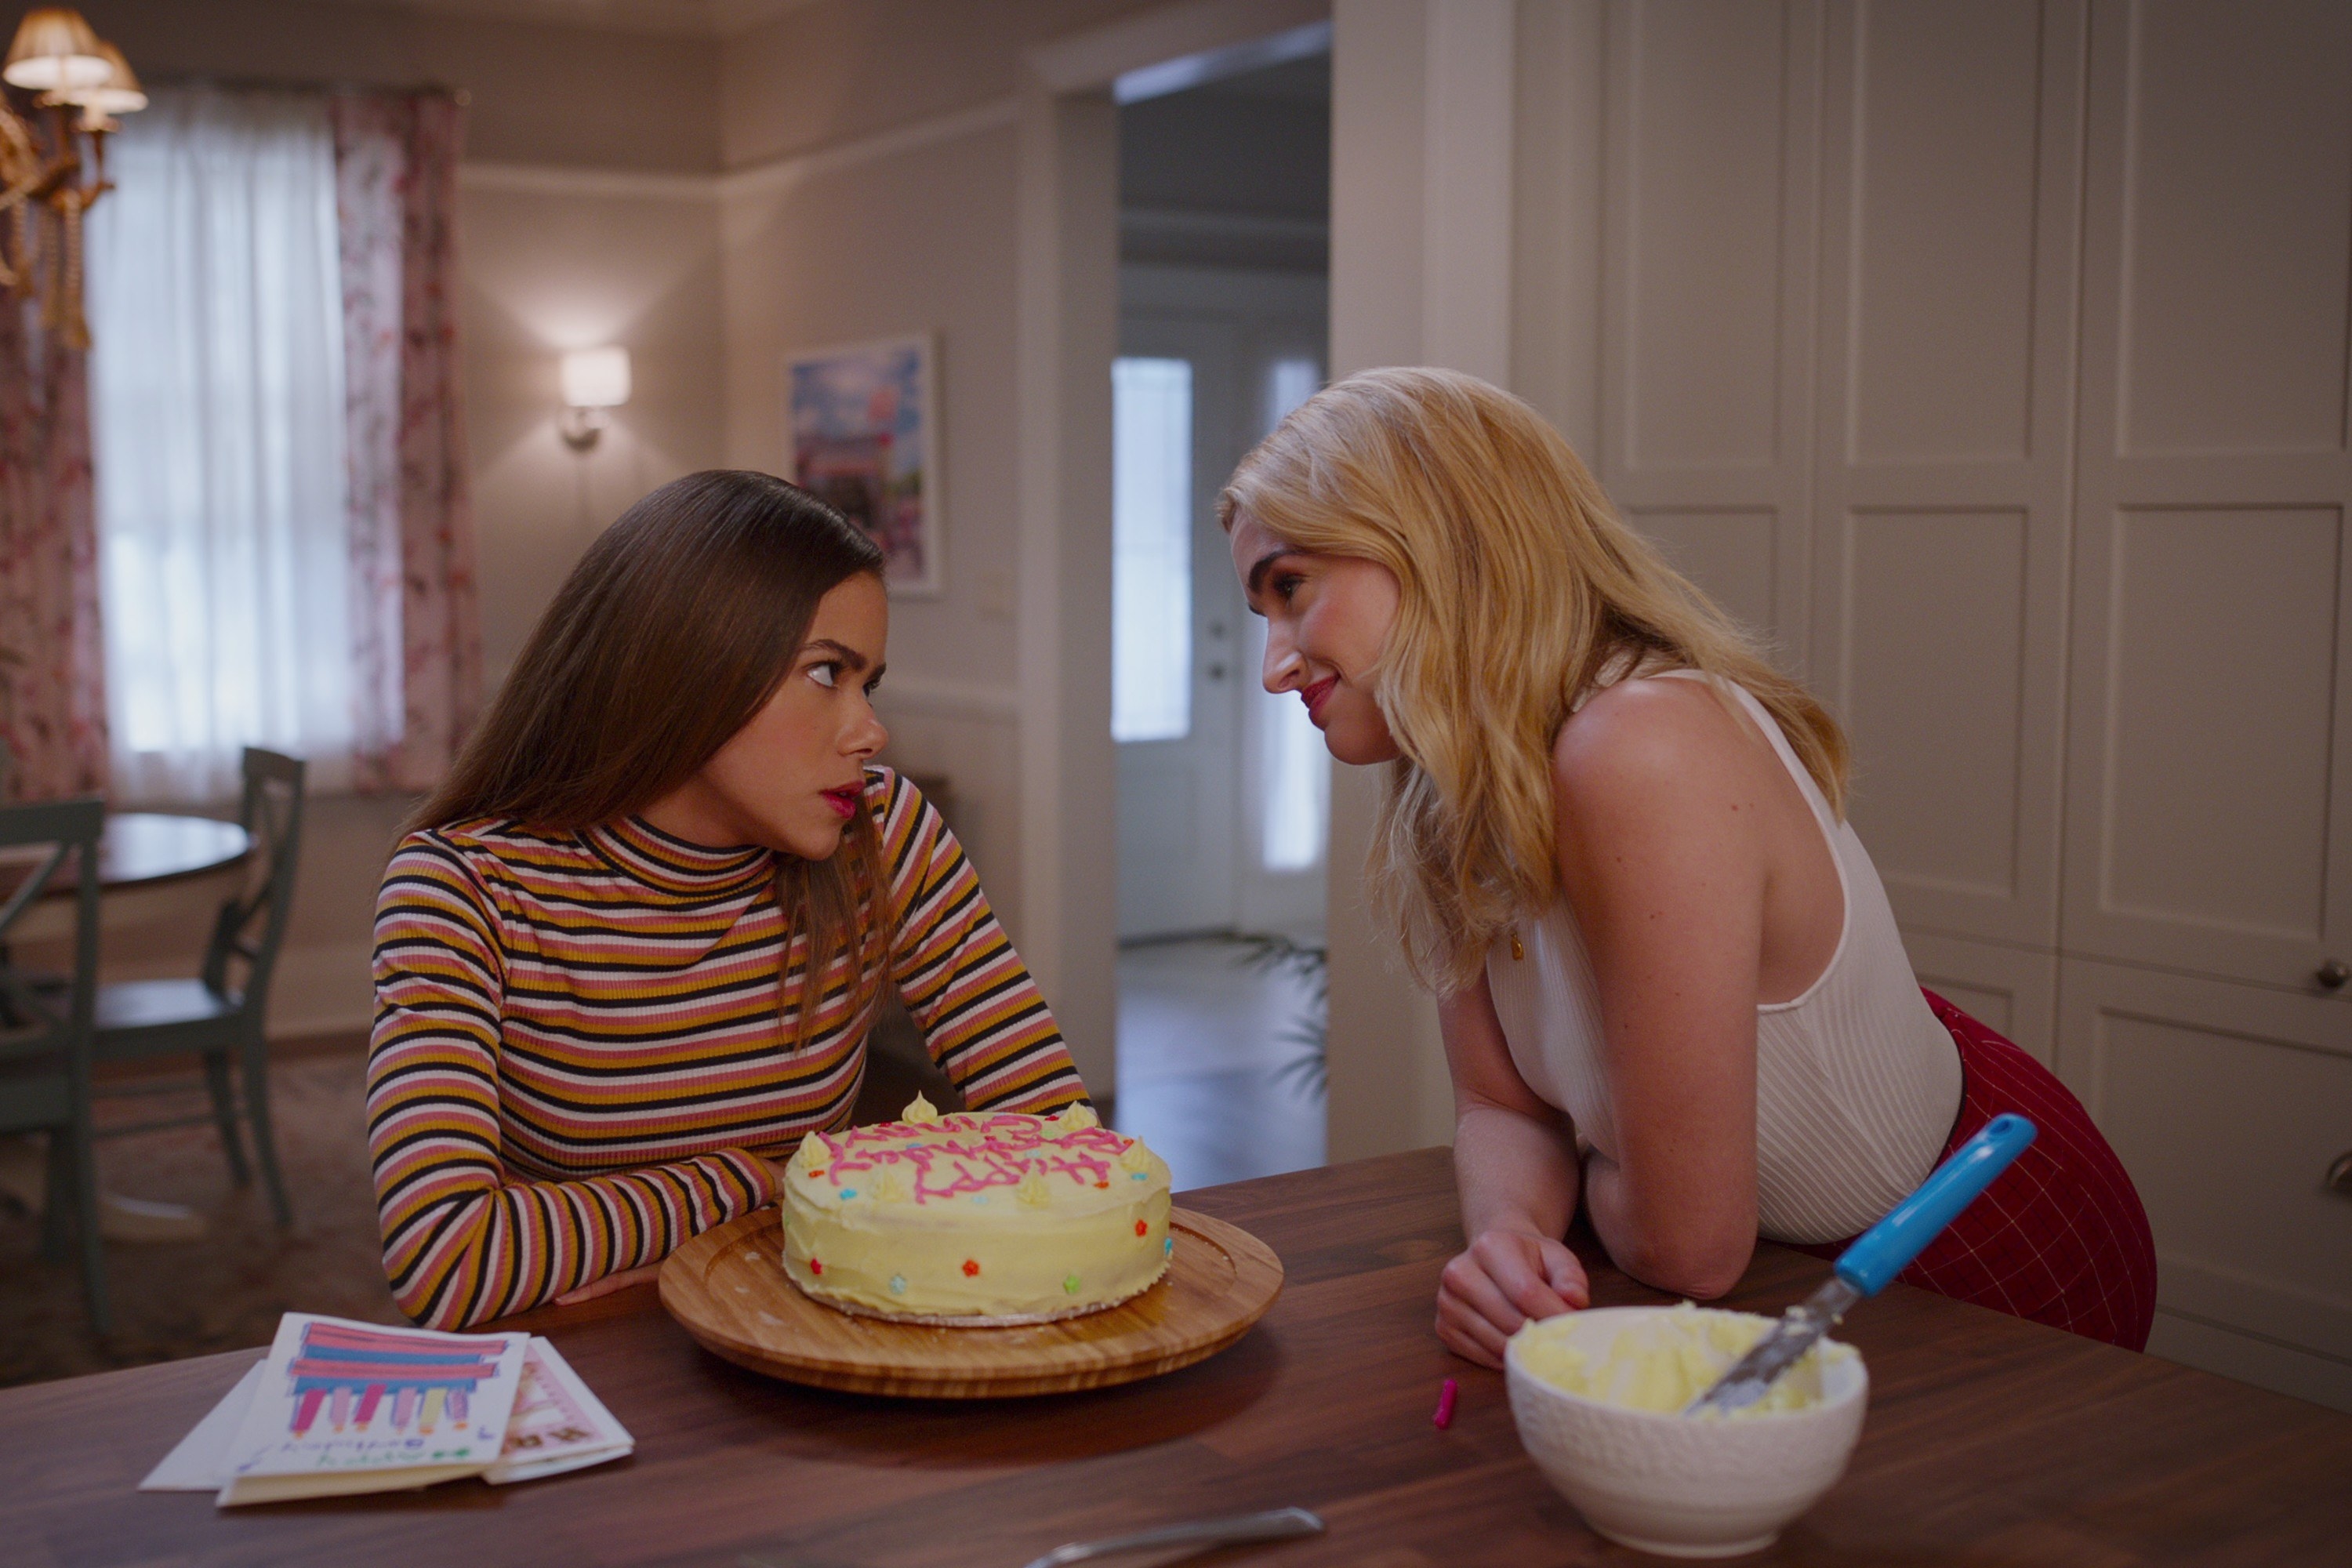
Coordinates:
(1612,842)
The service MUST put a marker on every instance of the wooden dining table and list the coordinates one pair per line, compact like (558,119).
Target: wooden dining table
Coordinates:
(1990,1440)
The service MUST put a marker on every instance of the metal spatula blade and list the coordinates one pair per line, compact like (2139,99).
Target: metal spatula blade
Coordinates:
(1864,1269)
(1281,1524)
(1752,1377)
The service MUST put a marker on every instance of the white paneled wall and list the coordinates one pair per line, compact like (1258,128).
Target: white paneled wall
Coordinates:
(1946,364)
(1707,285)
(2209,802)
(2208,828)
(1992,359)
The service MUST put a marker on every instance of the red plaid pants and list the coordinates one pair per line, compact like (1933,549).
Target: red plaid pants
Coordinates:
(2059,1237)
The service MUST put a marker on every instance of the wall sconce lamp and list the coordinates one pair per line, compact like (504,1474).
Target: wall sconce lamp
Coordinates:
(594,380)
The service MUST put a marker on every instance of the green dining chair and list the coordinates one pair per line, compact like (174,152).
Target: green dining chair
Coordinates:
(46,1033)
(216,1016)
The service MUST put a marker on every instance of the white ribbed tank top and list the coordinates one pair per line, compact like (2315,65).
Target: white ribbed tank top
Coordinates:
(1857,1085)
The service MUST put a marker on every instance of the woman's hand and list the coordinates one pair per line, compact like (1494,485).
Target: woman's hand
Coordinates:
(610,1283)
(1505,1278)
(1515,1168)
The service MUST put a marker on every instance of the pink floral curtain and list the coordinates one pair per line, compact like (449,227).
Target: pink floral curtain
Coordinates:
(416,627)
(52,685)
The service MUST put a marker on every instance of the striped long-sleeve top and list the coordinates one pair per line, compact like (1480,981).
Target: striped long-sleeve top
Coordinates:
(579,1046)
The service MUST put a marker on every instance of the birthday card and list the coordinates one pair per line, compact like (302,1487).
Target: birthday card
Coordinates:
(342,1406)
(556,1425)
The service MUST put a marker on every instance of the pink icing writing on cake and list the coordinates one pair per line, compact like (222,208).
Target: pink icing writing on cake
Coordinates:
(963,1154)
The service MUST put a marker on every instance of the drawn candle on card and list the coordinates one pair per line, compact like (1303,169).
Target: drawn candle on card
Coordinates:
(349,1406)
(427,1381)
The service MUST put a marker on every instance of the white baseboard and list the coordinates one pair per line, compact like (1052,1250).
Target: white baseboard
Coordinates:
(2266,1364)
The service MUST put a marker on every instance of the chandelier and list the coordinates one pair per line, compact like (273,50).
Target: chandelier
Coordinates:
(70,85)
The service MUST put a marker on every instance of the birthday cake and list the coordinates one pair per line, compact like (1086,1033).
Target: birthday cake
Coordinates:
(980,1218)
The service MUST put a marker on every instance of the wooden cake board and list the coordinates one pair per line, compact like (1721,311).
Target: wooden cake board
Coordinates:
(727,1287)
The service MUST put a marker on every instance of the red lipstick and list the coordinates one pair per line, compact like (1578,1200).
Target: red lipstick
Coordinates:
(1314,696)
(843,800)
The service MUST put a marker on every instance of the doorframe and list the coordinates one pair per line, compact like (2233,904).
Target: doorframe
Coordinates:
(1067,332)
(1424,189)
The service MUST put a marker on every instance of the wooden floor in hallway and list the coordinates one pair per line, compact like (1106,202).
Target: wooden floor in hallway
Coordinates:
(1220,1063)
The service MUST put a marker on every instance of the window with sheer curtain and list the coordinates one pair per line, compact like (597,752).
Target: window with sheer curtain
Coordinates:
(217,430)
(284,540)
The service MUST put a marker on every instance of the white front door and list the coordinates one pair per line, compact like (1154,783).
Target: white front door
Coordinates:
(1177,628)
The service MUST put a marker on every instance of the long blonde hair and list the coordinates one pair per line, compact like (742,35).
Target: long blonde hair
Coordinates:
(1518,586)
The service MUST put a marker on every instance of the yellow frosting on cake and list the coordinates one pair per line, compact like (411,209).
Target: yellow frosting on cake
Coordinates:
(997,1215)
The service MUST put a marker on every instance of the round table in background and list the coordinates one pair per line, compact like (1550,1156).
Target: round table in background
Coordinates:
(144,859)
(147,849)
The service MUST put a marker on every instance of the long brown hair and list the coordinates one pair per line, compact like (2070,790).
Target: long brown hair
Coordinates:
(672,632)
(1519,588)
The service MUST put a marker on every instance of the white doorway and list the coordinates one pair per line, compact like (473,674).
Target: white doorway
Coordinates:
(1224,790)
(1223,787)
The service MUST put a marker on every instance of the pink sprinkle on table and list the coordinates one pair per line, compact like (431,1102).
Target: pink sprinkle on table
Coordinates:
(1445,1417)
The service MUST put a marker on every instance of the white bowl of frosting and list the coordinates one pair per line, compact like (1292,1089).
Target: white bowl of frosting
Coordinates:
(1599,1396)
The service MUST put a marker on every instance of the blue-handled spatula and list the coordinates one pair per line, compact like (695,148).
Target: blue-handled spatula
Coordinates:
(1866,1267)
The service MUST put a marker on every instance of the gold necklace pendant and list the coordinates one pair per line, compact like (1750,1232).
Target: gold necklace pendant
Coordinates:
(1516,951)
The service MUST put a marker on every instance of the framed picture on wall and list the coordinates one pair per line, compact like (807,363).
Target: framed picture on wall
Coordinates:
(866,438)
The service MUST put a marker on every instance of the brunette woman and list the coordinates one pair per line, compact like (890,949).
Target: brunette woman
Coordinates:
(630,955)
(1613,841)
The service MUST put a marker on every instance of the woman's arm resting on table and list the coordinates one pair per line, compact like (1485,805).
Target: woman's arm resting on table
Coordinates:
(610,1283)
(1662,859)
(461,1242)
(1515,1165)
(652,1271)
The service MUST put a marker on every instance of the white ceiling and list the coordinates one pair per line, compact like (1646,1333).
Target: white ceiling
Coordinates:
(679,18)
